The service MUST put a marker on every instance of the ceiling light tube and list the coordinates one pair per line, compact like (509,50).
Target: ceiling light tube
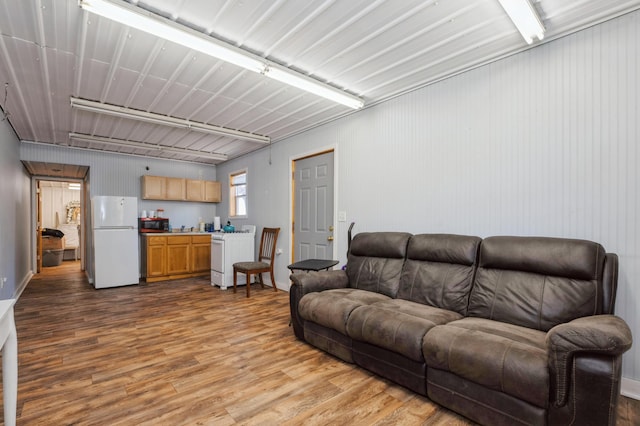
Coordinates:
(166,29)
(165,120)
(142,145)
(525,18)
(308,84)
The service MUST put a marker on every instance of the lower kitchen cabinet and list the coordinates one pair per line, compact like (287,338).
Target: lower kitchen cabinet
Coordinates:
(178,250)
(156,256)
(175,256)
(201,253)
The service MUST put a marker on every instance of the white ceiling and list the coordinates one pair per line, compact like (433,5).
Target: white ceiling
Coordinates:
(51,50)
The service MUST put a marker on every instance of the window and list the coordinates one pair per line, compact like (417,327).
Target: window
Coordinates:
(238,194)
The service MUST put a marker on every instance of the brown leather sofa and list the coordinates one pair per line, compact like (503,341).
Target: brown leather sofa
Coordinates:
(505,330)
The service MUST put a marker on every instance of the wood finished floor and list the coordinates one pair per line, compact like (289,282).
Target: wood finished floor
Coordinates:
(185,353)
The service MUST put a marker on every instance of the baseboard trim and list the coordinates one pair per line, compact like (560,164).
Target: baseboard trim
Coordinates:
(630,388)
(23,284)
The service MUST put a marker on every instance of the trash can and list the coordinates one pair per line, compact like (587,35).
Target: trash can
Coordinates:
(52,257)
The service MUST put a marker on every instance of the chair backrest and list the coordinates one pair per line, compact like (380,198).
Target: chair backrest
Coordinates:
(268,245)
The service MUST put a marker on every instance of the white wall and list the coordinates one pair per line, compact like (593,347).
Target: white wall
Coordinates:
(541,143)
(54,204)
(15,206)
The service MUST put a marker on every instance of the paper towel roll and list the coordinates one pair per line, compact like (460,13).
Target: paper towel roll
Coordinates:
(216,223)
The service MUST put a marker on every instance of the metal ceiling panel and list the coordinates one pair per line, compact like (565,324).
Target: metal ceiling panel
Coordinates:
(51,50)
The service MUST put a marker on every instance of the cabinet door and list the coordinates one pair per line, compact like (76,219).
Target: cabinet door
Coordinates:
(153,187)
(175,189)
(201,254)
(212,191)
(195,190)
(156,261)
(178,249)
(156,256)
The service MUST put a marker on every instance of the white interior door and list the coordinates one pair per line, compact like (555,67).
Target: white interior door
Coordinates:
(313,207)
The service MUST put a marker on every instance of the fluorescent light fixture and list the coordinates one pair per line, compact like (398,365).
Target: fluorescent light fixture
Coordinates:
(525,18)
(164,120)
(142,145)
(74,186)
(166,29)
(310,85)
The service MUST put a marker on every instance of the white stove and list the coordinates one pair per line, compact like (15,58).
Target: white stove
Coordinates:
(228,248)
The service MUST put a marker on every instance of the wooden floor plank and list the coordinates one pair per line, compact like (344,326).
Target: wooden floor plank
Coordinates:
(186,353)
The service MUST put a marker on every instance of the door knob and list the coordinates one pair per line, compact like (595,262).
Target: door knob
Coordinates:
(330,238)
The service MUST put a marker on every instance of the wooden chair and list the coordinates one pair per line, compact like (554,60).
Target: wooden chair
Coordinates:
(265,261)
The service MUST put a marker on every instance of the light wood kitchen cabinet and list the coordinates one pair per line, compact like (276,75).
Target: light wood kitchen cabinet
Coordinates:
(154,187)
(212,192)
(156,256)
(200,253)
(178,249)
(175,256)
(175,189)
(180,189)
(207,191)
(195,190)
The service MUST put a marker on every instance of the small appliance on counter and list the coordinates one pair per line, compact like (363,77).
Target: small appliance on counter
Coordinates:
(151,224)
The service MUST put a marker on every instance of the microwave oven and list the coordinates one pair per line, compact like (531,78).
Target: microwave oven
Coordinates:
(156,224)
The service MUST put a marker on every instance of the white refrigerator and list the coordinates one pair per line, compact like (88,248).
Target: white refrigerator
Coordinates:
(115,241)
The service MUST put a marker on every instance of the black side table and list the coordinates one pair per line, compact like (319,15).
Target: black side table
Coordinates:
(313,265)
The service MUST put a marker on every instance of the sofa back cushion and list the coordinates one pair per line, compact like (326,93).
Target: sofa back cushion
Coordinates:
(375,261)
(537,282)
(439,270)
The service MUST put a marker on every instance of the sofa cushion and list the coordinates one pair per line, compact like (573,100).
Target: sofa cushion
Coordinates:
(439,270)
(397,325)
(503,357)
(375,261)
(537,282)
(331,308)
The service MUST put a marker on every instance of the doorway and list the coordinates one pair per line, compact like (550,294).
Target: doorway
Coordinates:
(313,207)
(60,215)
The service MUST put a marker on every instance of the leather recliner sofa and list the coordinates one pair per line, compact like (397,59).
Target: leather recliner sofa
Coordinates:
(503,330)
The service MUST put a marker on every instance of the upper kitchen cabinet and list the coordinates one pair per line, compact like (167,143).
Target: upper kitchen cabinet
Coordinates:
(175,189)
(180,189)
(163,188)
(203,190)
(154,187)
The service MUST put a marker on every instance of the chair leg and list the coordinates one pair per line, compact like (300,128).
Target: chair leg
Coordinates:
(248,284)
(235,279)
(273,281)
(261,280)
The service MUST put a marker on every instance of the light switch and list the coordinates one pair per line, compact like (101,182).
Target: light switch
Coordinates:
(342,216)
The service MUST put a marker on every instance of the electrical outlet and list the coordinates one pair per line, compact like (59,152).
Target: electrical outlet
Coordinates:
(342,216)
(4,280)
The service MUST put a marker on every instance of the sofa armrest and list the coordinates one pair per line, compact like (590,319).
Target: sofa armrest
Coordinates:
(598,334)
(303,283)
(319,281)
